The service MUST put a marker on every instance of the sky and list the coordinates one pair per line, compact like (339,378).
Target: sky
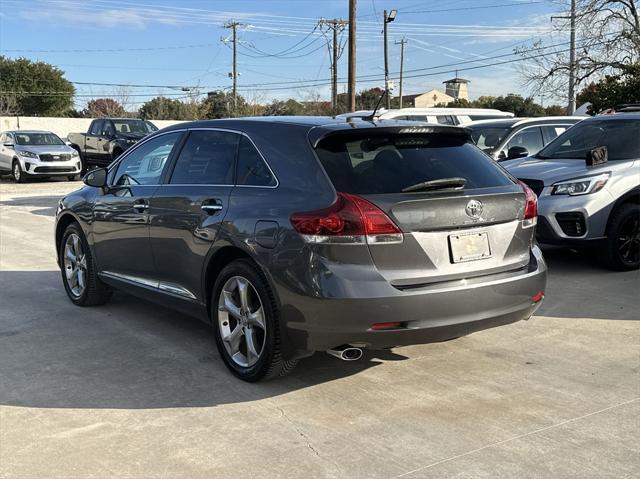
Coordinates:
(161,46)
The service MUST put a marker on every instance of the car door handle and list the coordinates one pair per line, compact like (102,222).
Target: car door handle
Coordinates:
(141,205)
(211,208)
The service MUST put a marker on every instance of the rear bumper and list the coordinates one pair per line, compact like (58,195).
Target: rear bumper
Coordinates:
(428,314)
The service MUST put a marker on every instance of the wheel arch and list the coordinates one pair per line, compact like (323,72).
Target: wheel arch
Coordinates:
(61,225)
(222,257)
(630,197)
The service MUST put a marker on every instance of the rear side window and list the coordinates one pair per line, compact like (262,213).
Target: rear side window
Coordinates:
(379,163)
(207,158)
(252,169)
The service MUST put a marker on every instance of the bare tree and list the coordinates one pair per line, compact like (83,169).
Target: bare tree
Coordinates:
(607,38)
(9,105)
(122,95)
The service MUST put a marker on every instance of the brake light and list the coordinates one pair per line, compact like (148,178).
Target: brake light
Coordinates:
(389,325)
(530,207)
(350,219)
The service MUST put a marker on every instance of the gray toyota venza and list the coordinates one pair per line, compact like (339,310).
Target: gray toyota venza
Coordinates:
(294,235)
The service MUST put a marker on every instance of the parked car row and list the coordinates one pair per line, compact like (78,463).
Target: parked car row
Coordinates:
(31,153)
(291,235)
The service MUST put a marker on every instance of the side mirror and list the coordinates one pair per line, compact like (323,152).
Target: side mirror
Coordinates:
(517,152)
(96,178)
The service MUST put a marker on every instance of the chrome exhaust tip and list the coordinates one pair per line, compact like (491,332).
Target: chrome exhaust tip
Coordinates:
(346,353)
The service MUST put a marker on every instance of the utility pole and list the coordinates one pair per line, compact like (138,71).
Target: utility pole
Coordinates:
(388,18)
(336,25)
(352,55)
(233,25)
(572,62)
(401,43)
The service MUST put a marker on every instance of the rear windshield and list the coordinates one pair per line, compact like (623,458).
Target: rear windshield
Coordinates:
(621,137)
(378,163)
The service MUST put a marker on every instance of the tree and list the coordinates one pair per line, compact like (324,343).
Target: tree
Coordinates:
(101,107)
(34,88)
(613,90)
(162,108)
(288,107)
(516,104)
(219,104)
(555,110)
(607,38)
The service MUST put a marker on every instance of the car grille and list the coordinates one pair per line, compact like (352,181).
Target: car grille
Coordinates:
(48,157)
(536,185)
(53,169)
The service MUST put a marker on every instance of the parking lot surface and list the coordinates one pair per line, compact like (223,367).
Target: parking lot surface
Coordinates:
(133,390)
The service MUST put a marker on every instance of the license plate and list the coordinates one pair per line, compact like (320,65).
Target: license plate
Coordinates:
(469,247)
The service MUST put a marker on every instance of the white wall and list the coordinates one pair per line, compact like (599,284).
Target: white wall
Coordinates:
(60,126)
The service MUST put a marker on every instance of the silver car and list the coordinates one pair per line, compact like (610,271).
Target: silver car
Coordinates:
(590,205)
(32,153)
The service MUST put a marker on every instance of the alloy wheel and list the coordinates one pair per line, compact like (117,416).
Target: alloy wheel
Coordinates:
(75,265)
(629,240)
(241,320)
(16,171)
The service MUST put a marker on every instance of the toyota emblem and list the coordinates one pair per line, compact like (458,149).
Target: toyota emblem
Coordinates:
(474,209)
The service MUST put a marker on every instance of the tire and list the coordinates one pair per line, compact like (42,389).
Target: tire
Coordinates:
(93,292)
(19,176)
(241,362)
(622,248)
(72,177)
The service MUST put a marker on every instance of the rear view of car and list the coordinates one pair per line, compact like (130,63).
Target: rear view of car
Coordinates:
(291,236)
(426,240)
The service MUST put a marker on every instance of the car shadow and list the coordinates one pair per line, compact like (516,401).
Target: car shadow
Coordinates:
(127,354)
(575,286)
(44,205)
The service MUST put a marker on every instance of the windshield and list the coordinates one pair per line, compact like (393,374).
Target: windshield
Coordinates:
(134,126)
(38,139)
(488,137)
(374,163)
(621,137)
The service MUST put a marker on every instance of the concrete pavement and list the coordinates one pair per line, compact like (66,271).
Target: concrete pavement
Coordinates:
(133,390)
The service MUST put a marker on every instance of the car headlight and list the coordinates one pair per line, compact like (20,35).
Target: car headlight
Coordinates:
(581,186)
(28,154)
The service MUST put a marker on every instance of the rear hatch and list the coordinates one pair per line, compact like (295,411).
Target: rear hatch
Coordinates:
(451,231)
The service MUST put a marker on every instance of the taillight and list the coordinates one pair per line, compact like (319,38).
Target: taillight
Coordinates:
(351,219)
(530,207)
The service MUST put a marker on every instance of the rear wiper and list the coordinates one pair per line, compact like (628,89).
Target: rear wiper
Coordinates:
(455,183)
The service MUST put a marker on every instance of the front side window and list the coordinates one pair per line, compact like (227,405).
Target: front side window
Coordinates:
(369,163)
(207,158)
(107,129)
(252,170)
(144,165)
(488,137)
(96,127)
(529,138)
(621,137)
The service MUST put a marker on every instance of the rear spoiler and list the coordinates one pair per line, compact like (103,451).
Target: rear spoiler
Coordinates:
(319,133)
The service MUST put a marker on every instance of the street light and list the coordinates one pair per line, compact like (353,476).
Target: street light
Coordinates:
(388,18)
(392,16)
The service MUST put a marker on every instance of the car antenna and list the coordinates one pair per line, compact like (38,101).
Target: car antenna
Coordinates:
(375,110)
